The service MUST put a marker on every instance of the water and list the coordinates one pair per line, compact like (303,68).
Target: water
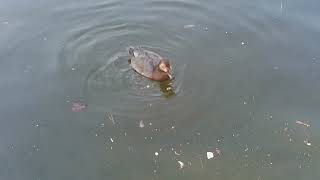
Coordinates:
(246,72)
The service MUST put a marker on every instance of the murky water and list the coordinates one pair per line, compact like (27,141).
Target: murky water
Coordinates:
(246,88)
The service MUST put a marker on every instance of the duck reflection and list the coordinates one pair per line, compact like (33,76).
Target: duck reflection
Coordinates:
(166,87)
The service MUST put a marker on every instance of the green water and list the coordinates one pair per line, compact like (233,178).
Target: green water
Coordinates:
(245,73)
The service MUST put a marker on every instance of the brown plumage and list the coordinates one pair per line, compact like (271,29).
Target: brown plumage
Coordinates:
(150,64)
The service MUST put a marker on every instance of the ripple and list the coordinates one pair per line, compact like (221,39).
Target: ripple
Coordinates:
(99,55)
(94,55)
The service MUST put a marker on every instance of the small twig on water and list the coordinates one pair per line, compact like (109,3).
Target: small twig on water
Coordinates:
(110,116)
(201,162)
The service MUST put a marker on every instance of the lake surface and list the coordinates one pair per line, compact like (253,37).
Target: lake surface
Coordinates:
(246,89)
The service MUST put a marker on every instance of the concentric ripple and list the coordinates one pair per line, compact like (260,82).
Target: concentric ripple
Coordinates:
(94,56)
(97,56)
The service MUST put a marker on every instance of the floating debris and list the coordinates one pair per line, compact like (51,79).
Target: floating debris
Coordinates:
(307,142)
(110,117)
(243,43)
(181,164)
(213,154)
(78,107)
(201,162)
(141,124)
(156,154)
(228,33)
(210,155)
(175,152)
(189,26)
(303,123)
(111,140)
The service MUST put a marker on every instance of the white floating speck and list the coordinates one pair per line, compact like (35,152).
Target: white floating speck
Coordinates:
(111,140)
(181,164)
(172,127)
(37,125)
(156,154)
(210,155)
(188,26)
(175,152)
(73,69)
(244,102)
(307,142)
(150,124)
(302,123)
(148,86)
(96,134)
(141,124)
(243,43)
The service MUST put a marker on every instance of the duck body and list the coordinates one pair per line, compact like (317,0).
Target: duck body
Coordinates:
(149,64)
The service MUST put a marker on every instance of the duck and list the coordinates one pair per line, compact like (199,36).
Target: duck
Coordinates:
(150,64)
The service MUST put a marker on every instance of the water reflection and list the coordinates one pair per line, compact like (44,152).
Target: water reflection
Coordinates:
(242,81)
(166,87)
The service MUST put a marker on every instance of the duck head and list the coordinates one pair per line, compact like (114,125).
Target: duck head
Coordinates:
(164,66)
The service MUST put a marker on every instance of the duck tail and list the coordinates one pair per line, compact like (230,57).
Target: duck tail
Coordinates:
(131,51)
